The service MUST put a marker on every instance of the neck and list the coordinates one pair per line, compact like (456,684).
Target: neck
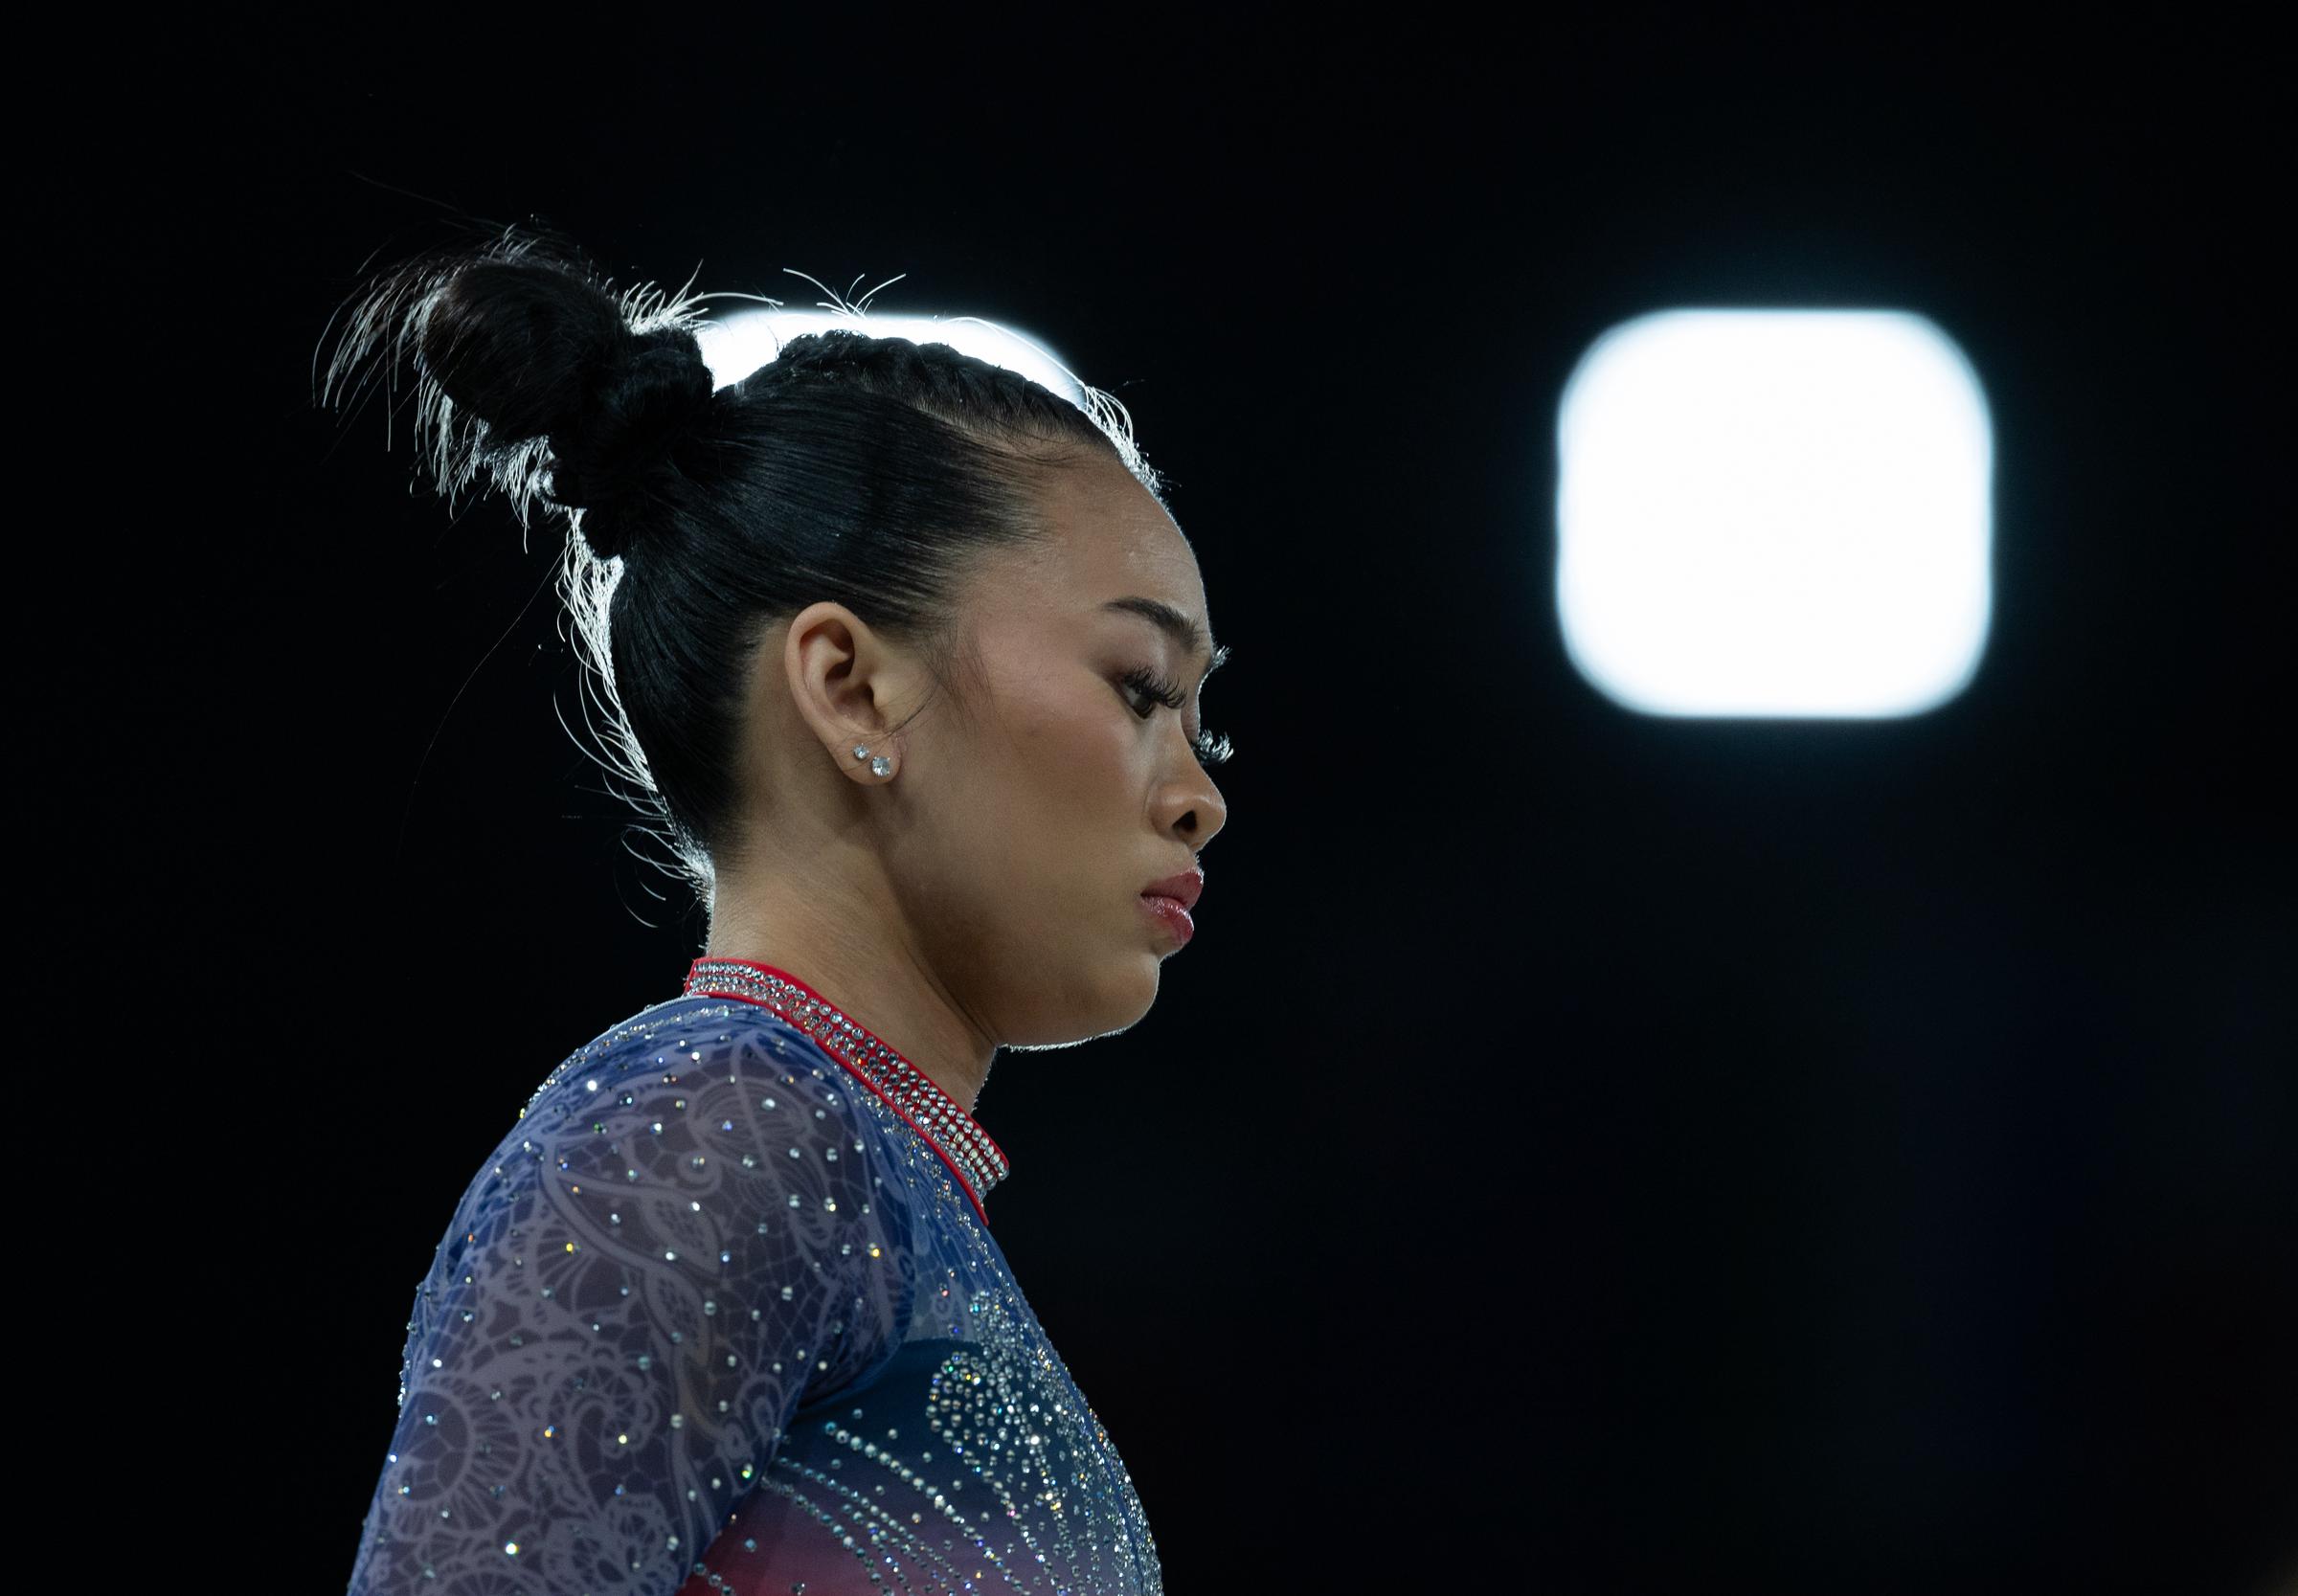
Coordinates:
(879,984)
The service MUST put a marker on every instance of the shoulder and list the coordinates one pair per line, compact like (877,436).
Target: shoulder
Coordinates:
(696,1043)
(720,1114)
(696,1090)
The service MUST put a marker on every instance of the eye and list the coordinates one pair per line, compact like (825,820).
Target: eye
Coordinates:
(1156,689)
(1153,686)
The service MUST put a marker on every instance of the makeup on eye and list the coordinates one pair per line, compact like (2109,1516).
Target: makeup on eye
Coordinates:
(1142,678)
(1160,689)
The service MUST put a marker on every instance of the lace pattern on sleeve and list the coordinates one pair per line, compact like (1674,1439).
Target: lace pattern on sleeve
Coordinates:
(678,1247)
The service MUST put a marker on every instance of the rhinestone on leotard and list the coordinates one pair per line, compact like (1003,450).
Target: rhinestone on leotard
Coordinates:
(976,1159)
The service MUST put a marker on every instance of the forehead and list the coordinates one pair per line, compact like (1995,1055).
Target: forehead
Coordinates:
(1112,540)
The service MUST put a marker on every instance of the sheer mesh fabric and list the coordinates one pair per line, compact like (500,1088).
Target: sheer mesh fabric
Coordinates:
(714,1317)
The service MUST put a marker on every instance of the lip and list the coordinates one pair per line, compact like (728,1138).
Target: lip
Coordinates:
(1169,913)
(1183,889)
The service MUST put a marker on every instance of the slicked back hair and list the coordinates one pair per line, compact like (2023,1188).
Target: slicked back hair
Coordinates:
(871,472)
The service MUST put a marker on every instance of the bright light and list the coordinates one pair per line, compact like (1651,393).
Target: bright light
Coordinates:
(1775,513)
(738,344)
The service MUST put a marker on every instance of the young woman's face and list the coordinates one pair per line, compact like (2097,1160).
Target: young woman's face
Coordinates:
(1027,825)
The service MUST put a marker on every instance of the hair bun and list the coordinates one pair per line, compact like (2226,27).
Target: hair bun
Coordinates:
(642,399)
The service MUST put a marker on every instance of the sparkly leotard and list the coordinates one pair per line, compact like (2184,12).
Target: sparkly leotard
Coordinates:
(722,1314)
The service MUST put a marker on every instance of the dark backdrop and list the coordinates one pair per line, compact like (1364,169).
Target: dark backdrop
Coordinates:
(1580,1152)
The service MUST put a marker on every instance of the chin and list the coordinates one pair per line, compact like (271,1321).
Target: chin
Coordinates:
(1143,978)
(1132,1000)
(1092,1005)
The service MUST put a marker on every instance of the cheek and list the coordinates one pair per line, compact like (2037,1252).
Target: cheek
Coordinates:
(1056,787)
(1079,756)
(1054,768)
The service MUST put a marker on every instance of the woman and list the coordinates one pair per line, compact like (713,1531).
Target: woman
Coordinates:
(902,651)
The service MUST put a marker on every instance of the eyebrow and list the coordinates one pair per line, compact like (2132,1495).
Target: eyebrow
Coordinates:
(1175,625)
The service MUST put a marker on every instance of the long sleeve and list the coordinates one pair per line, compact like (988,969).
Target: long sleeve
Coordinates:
(671,1249)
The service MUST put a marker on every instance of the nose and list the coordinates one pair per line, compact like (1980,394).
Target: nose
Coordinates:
(1191,807)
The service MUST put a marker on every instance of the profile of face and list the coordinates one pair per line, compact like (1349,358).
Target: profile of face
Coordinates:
(1005,858)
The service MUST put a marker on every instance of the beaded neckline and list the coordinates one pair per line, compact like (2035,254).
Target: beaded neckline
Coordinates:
(977,1161)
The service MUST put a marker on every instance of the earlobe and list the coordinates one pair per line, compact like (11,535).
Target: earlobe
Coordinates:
(833,696)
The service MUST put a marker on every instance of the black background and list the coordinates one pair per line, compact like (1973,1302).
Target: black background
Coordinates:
(1581,1151)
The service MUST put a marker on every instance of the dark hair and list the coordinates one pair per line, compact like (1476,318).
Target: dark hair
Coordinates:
(866,471)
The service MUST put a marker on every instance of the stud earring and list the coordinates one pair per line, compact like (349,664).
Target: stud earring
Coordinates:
(880,766)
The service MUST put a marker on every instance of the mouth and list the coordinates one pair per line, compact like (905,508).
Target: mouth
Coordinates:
(1182,888)
(1169,913)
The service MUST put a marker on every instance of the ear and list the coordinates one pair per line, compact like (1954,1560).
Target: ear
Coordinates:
(847,684)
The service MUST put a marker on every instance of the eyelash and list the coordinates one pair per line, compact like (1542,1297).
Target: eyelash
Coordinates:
(1211,749)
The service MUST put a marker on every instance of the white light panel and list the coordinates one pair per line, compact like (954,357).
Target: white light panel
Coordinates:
(1775,513)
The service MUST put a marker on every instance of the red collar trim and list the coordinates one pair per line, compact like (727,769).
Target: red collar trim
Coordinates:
(971,1156)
